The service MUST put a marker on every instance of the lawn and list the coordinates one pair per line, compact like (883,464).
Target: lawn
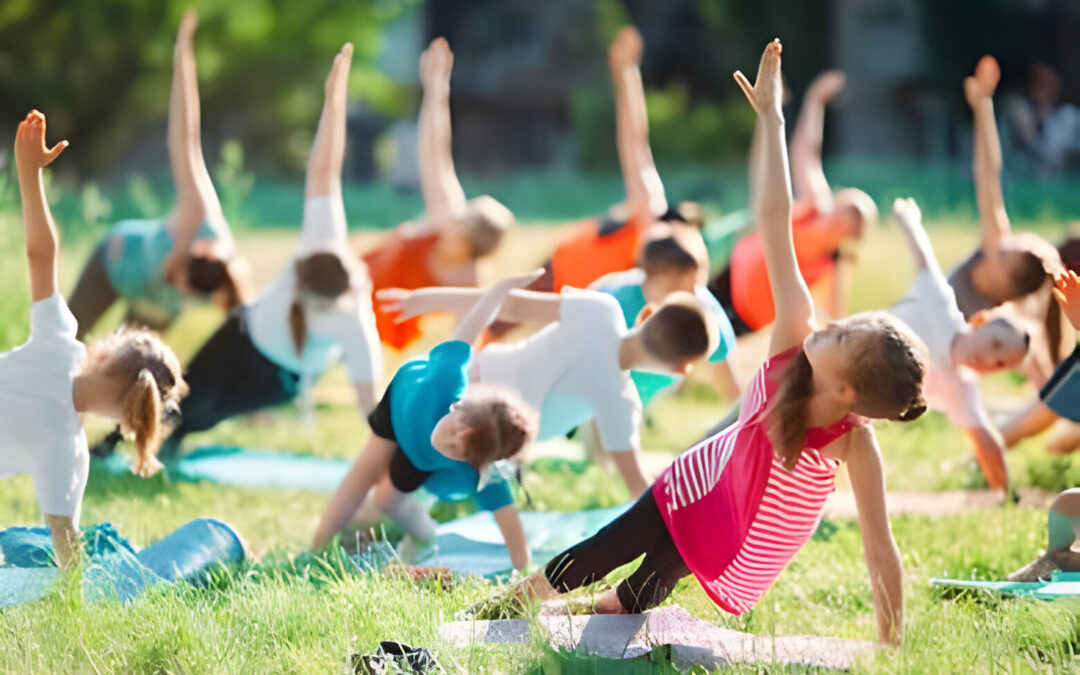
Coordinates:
(294,612)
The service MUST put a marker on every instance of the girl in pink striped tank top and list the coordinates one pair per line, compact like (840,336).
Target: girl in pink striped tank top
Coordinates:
(734,509)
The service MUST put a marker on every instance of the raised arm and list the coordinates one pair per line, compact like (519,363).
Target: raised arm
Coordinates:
(908,216)
(772,207)
(486,308)
(882,556)
(520,306)
(644,189)
(328,148)
(444,198)
(979,91)
(807,172)
(42,247)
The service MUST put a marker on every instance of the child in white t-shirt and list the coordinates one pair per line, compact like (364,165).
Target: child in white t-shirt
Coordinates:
(958,350)
(577,366)
(47,382)
(317,310)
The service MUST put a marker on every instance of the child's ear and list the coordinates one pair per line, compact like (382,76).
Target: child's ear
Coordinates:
(644,314)
(979,318)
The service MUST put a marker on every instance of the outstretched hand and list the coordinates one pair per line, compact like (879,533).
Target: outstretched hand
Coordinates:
(767,92)
(510,283)
(337,80)
(31,153)
(826,86)
(436,62)
(626,49)
(907,214)
(400,303)
(984,82)
(185,34)
(1067,292)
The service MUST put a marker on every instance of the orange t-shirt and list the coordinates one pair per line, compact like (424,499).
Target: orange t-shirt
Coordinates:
(816,236)
(400,262)
(589,255)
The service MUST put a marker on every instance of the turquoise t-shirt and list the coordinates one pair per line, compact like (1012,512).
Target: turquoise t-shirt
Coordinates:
(421,393)
(631,300)
(135,252)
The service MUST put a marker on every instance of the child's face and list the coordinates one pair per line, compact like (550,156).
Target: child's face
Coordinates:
(996,345)
(448,433)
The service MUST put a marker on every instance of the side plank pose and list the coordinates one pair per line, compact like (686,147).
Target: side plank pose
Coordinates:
(1059,398)
(433,429)
(318,306)
(827,225)
(577,367)
(154,263)
(958,351)
(1008,266)
(736,508)
(447,247)
(46,383)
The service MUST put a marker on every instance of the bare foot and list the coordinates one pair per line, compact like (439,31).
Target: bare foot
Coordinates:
(767,92)
(626,49)
(983,83)
(826,86)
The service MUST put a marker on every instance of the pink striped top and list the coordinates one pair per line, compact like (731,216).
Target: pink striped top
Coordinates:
(737,516)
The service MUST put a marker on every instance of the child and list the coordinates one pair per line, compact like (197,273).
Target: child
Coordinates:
(1060,396)
(455,235)
(1008,265)
(432,429)
(958,351)
(671,263)
(318,306)
(130,377)
(576,367)
(1063,526)
(736,508)
(152,263)
(826,225)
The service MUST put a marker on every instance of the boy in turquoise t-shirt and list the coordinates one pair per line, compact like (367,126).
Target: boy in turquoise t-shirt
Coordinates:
(433,430)
(668,264)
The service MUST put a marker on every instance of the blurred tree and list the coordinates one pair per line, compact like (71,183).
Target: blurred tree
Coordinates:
(101,71)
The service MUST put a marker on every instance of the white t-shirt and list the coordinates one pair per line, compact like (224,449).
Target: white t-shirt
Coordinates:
(40,432)
(346,325)
(929,309)
(569,371)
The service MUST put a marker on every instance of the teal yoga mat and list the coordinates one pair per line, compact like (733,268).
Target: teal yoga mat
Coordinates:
(1060,585)
(113,570)
(242,467)
(474,545)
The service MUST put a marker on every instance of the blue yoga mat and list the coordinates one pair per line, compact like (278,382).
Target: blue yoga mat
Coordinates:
(113,570)
(474,545)
(1060,585)
(248,468)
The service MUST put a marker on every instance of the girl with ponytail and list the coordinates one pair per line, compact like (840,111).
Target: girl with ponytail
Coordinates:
(317,310)
(46,383)
(155,264)
(735,508)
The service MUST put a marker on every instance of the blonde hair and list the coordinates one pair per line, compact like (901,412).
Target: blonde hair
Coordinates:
(485,224)
(856,199)
(156,386)
(887,378)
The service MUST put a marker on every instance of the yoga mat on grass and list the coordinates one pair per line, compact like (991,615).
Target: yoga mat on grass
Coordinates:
(693,642)
(1060,585)
(112,569)
(242,467)
(474,544)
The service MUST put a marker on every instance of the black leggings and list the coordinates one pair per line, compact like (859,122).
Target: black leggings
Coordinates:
(640,530)
(230,376)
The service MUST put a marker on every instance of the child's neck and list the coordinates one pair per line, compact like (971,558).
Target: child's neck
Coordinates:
(632,352)
(824,411)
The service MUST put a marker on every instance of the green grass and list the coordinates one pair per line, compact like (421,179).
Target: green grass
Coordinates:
(294,612)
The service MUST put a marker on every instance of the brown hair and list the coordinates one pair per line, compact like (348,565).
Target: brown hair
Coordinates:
(679,330)
(887,378)
(323,274)
(691,213)
(208,274)
(667,254)
(156,387)
(485,224)
(499,424)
